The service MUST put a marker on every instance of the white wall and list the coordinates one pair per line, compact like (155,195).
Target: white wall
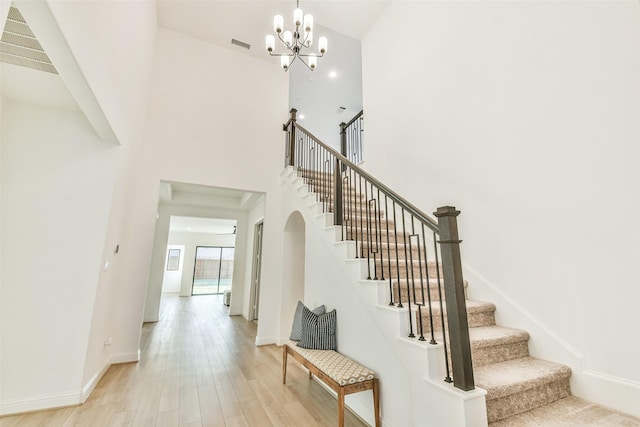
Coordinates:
(83,40)
(57,186)
(171,279)
(524,116)
(203,98)
(319,97)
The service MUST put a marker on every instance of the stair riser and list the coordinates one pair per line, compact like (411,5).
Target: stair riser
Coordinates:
(475,319)
(517,403)
(433,290)
(400,269)
(499,353)
(391,251)
(352,232)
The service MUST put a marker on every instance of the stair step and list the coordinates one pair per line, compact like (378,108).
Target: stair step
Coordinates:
(495,344)
(479,313)
(394,268)
(519,385)
(431,286)
(570,411)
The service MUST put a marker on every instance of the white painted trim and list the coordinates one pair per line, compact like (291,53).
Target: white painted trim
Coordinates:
(38,403)
(617,393)
(266,340)
(125,358)
(59,400)
(151,319)
(93,382)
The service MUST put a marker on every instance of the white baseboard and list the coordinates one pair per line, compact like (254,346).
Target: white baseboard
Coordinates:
(266,340)
(616,393)
(93,382)
(38,403)
(125,358)
(59,400)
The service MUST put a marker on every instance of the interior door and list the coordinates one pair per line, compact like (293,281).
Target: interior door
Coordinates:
(257,265)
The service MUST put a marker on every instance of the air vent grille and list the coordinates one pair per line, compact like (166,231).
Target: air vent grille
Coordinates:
(241,44)
(19,46)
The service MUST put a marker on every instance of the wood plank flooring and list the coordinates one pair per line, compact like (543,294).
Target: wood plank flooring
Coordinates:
(199,368)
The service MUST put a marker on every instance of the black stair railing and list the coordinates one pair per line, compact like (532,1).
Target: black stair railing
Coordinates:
(418,256)
(352,138)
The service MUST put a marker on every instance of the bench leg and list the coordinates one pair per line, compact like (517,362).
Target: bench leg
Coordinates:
(376,401)
(341,407)
(284,364)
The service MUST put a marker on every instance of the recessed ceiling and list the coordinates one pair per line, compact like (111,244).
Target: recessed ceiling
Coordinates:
(217,226)
(19,45)
(178,193)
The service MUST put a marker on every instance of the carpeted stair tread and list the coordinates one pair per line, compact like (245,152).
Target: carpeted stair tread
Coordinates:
(570,411)
(489,336)
(514,376)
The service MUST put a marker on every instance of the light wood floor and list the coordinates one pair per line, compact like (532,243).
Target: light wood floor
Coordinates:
(199,367)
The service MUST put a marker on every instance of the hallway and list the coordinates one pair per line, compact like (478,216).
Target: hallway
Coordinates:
(199,367)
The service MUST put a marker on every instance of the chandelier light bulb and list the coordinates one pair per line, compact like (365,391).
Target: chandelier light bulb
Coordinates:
(313,61)
(288,38)
(284,62)
(278,23)
(270,42)
(308,23)
(308,41)
(322,44)
(297,17)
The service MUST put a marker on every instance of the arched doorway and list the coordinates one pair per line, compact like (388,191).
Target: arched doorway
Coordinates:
(292,269)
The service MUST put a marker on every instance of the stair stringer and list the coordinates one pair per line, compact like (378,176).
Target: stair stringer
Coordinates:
(413,392)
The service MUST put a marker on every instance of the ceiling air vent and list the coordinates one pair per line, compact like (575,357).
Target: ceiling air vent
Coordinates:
(241,44)
(19,46)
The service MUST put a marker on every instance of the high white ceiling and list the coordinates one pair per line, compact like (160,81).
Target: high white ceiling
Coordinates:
(218,21)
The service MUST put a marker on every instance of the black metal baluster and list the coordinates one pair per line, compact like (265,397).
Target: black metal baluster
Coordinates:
(444,326)
(426,269)
(395,234)
(361,218)
(386,211)
(368,229)
(420,266)
(379,234)
(404,239)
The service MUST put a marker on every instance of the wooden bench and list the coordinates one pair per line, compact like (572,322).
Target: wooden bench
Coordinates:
(341,374)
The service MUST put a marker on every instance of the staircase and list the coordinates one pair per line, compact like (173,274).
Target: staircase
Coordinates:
(413,261)
(515,382)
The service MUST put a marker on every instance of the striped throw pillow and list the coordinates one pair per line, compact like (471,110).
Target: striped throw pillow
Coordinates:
(296,327)
(318,331)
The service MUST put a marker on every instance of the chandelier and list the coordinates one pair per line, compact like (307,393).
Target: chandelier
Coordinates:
(296,42)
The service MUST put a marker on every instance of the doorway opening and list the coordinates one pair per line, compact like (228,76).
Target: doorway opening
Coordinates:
(213,270)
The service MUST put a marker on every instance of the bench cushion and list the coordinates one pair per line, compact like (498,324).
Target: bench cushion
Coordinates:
(339,368)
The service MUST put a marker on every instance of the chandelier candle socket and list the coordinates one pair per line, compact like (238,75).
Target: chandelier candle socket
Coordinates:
(296,41)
